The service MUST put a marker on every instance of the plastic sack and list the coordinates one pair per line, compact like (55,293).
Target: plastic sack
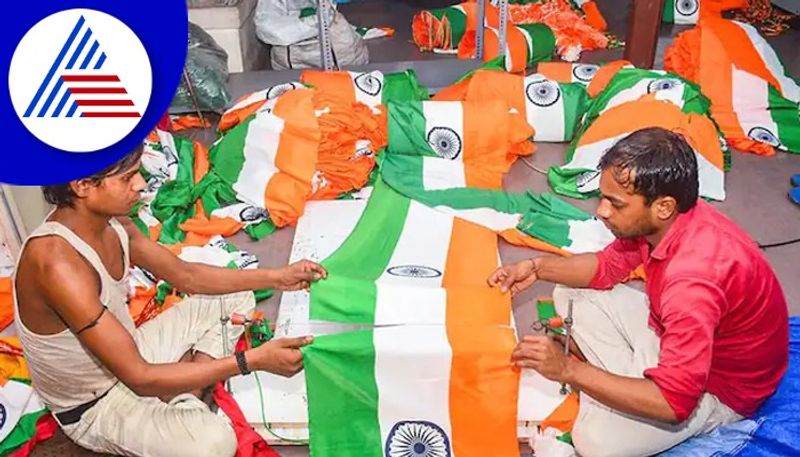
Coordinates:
(207,67)
(349,49)
(284,22)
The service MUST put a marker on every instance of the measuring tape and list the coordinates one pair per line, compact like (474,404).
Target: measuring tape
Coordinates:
(326,49)
(481,24)
(502,5)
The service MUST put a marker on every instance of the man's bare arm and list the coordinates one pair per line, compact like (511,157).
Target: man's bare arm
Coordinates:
(574,271)
(195,278)
(69,286)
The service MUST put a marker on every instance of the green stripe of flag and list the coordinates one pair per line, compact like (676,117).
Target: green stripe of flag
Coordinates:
(543,41)
(342,395)
(348,295)
(669,12)
(402,86)
(407,129)
(576,102)
(786,115)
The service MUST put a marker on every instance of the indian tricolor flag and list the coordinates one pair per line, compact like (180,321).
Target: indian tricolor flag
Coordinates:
(467,185)
(565,72)
(443,28)
(488,133)
(21,409)
(753,99)
(270,160)
(553,109)
(630,84)
(431,373)
(579,178)
(370,88)
(526,44)
(250,103)
(539,221)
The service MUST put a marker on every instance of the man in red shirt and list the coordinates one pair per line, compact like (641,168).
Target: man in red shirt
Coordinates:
(705,346)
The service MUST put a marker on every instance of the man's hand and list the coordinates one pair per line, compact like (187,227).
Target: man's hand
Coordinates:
(281,356)
(515,277)
(543,355)
(300,275)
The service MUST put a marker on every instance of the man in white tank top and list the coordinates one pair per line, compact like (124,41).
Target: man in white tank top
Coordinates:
(119,389)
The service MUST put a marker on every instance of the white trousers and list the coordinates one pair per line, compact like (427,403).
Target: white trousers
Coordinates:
(124,423)
(611,329)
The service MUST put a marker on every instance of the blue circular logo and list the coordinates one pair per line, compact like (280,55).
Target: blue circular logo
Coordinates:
(87,81)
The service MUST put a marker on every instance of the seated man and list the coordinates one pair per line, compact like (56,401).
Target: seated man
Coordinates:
(118,389)
(706,344)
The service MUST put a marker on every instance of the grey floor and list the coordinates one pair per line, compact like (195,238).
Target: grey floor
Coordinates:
(756,186)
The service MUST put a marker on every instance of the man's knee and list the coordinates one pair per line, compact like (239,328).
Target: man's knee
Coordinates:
(240,302)
(214,438)
(596,440)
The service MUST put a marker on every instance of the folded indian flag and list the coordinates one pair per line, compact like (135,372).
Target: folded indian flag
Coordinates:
(468,184)
(443,28)
(20,410)
(417,277)
(248,104)
(629,84)
(753,98)
(488,132)
(526,44)
(565,72)
(268,161)
(553,109)
(172,167)
(579,178)
(370,88)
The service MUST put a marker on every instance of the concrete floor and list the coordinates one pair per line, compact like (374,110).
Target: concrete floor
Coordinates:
(756,186)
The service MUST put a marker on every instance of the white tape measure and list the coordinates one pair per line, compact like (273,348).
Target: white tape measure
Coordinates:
(326,49)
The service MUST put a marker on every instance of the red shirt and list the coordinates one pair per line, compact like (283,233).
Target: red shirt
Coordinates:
(717,306)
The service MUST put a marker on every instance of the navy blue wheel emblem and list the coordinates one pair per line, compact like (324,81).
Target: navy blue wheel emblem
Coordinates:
(543,93)
(585,72)
(368,83)
(662,84)
(414,271)
(764,135)
(417,439)
(445,142)
(3,416)
(280,89)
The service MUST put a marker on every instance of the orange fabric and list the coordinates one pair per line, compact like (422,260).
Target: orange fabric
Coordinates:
(287,191)
(563,418)
(188,122)
(707,56)
(604,75)
(338,84)
(209,227)
(6,302)
(518,238)
(569,28)
(12,361)
(232,118)
(141,297)
(594,17)
(454,93)
(480,355)
(557,71)
(341,128)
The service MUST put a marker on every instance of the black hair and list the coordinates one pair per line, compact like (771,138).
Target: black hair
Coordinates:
(62,194)
(662,165)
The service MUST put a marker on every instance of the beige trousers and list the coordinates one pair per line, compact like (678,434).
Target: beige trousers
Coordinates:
(612,331)
(125,424)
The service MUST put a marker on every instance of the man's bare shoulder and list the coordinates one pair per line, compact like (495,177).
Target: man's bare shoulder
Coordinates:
(51,259)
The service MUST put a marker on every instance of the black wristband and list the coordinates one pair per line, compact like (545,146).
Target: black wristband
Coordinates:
(242,362)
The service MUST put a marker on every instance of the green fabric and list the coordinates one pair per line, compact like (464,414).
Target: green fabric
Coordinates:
(342,396)
(401,87)
(545,309)
(458,22)
(22,433)
(348,295)
(543,40)
(786,114)
(576,103)
(669,12)
(307,12)
(406,128)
